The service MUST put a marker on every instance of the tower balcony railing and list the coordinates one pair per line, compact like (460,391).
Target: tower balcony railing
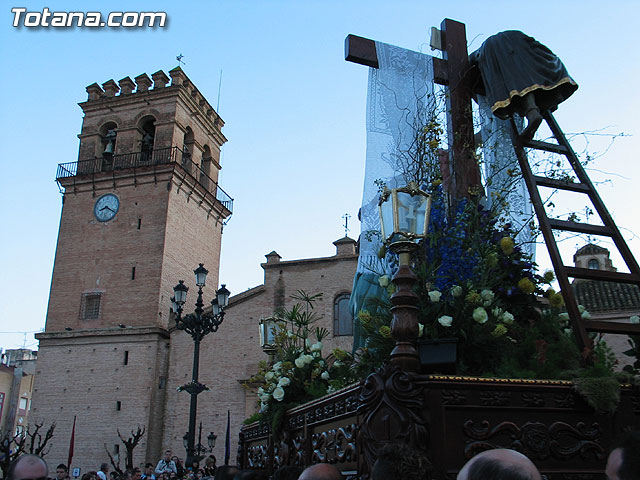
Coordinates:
(160,156)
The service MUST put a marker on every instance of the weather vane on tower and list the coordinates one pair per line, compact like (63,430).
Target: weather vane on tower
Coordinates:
(346,217)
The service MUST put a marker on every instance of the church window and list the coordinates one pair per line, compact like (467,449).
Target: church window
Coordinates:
(342,318)
(133,273)
(594,264)
(126,357)
(90,309)
(118,405)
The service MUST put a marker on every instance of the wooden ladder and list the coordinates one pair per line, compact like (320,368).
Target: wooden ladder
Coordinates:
(548,225)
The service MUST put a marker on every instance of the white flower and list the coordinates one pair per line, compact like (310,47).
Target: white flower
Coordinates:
(265,397)
(487,295)
(277,366)
(284,381)
(278,394)
(456,291)
(581,308)
(507,318)
(586,315)
(445,321)
(563,316)
(634,319)
(434,295)
(269,376)
(260,391)
(300,361)
(497,312)
(383,281)
(337,363)
(325,375)
(308,358)
(480,315)
(316,347)
(307,342)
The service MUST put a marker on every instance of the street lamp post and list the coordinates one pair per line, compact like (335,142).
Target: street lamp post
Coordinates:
(197,324)
(200,450)
(404,218)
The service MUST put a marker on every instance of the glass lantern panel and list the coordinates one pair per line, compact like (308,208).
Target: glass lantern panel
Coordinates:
(386,218)
(410,209)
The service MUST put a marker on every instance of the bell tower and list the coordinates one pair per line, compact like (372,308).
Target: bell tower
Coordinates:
(141,208)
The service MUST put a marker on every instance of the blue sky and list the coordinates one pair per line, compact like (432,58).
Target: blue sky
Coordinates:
(294,113)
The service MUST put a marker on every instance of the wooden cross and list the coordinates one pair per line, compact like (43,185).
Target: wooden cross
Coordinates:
(461,80)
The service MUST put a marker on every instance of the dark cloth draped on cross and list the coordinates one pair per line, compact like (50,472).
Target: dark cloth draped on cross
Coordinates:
(513,64)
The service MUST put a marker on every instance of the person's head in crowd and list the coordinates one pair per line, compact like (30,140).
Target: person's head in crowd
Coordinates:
(249,474)
(499,464)
(288,472)
(400,461)
(62,471)
(321,471)
(226,472)
(28,467)
(624,460)
(90,475)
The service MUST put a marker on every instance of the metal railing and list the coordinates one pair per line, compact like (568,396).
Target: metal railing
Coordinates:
(161,156)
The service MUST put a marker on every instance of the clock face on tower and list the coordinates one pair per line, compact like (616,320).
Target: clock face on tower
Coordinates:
(106,207)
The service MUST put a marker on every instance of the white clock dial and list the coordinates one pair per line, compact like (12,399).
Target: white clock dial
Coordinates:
(106,207)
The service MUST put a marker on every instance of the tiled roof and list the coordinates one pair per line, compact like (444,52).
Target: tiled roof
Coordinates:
(600,296)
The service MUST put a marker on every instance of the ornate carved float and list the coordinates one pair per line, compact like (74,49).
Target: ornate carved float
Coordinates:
(449,419)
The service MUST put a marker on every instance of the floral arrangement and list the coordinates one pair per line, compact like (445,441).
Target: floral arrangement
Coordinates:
(299,371)
(478,287)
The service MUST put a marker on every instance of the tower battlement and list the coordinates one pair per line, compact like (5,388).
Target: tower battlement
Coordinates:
(143,84)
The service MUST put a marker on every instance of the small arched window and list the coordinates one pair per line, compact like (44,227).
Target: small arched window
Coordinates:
(594,264)
(108,136)
(342,318)
(205,166)
(187,149)
(148,138)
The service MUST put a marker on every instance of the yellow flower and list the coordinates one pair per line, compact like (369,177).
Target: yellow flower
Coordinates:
(364,317)
(499,331)
(548,276)
(556,300)
(385,331)
(473,298)
(507,244)
(492,260)
(526,285)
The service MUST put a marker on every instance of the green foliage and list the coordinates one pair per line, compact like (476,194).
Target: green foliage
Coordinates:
(597,383)
(299,372)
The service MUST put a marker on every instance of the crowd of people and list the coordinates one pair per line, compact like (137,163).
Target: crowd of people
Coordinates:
(394,463)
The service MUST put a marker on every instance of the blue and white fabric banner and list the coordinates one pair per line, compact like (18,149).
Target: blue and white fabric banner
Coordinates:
(397,92)
(500,163)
